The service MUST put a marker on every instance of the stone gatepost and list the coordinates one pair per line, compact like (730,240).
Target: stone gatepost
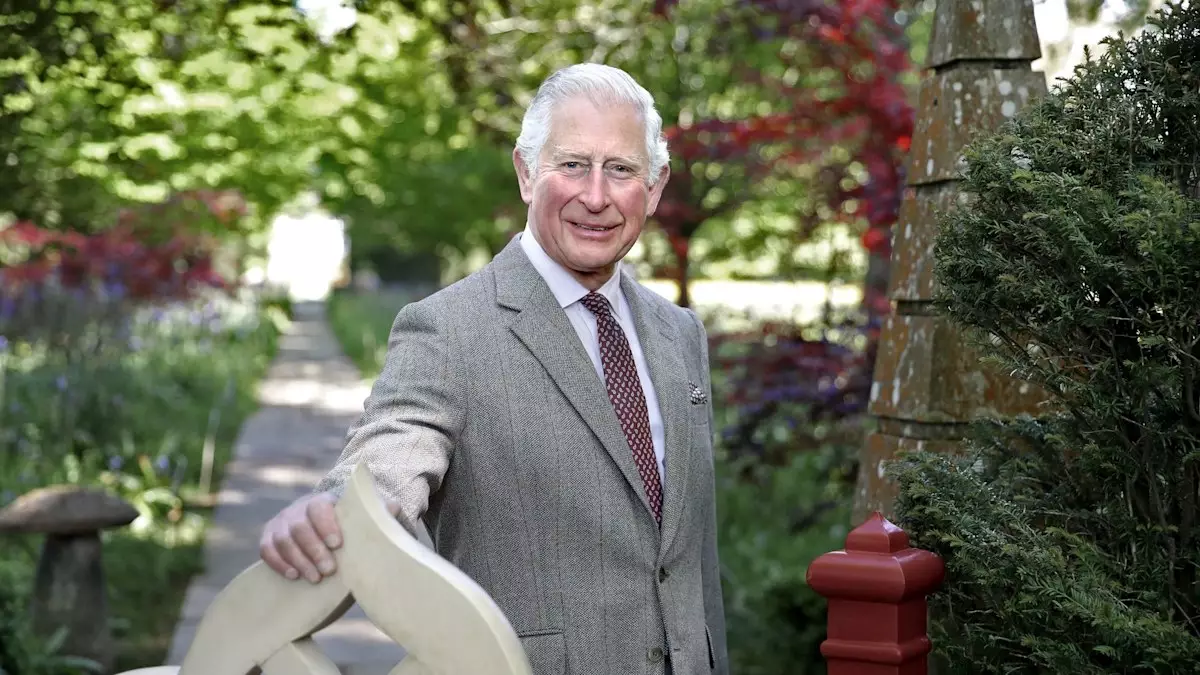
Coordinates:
(928,383)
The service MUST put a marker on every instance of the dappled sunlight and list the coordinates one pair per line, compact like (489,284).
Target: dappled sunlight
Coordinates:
(316,394)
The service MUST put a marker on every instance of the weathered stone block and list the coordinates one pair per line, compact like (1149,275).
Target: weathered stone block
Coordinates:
(914,236)
(983,30)
(927,372)
(956,106)
(875,491)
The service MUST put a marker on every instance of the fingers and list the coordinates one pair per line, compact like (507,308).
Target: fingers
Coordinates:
(324,521)
(298,542)
(270,555)
(312,551)
(285,543)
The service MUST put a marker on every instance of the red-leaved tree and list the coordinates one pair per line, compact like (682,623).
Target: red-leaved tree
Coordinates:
(805,376)
(153,253)
(869,115)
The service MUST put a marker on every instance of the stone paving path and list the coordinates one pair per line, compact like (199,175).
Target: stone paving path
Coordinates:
(310,396)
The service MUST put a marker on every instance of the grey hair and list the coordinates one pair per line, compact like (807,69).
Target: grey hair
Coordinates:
(602,84)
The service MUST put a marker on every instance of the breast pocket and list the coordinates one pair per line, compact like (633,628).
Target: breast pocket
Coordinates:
(547,652)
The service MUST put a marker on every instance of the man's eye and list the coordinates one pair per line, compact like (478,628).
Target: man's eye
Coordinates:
(572,165)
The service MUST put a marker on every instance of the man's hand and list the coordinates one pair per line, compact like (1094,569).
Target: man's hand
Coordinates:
(300,540)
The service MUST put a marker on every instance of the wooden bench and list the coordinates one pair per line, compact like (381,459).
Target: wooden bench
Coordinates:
(446,623)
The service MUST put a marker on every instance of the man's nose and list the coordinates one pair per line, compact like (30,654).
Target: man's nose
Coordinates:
(595,192)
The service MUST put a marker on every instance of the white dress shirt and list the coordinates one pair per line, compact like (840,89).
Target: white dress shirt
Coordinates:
(568,291)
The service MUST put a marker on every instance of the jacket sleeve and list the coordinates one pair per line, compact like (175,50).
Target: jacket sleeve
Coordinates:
(412,418)
(710,562)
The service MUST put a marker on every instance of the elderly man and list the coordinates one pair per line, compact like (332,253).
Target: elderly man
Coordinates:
(549,418)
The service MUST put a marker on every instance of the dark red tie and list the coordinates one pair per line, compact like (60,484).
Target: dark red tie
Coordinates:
(628,398)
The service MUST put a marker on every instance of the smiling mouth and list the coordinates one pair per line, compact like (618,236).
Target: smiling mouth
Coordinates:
(593,228)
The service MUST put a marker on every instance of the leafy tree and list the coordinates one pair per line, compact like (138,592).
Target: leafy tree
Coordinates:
(107,104)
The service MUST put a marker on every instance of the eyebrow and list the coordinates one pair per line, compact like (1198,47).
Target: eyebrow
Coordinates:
(563,155)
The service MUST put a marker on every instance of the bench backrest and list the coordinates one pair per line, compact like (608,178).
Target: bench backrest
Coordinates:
(446,623)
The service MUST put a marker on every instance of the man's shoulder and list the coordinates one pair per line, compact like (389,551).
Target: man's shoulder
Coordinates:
(464,296)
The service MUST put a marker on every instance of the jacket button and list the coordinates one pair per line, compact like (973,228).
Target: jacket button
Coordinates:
(662,574)
(654,655)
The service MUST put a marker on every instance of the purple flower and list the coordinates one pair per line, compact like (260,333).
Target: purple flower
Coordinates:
(61,382)
(3,343)
(115,462)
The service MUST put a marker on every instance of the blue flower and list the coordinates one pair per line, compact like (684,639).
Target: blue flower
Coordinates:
(61,382)
(115,462)
(3,343)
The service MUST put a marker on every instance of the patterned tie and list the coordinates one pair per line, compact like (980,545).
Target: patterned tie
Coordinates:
(628,398)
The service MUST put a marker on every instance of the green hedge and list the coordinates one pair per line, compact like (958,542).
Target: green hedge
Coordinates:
(1071,539)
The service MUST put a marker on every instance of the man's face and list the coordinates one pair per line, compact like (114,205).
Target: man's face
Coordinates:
(589,198)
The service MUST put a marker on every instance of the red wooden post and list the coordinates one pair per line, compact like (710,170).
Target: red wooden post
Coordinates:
(876,589)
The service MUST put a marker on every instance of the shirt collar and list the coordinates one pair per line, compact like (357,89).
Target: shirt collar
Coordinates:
(566,289)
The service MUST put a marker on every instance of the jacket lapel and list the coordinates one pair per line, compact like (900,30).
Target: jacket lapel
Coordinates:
(660,343)
(542,326)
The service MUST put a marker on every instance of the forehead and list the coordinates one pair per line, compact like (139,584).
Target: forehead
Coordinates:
(579,126)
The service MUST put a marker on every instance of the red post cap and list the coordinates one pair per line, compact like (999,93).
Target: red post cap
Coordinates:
(876,588)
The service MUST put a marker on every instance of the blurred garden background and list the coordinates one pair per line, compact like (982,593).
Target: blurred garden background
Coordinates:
(178,173)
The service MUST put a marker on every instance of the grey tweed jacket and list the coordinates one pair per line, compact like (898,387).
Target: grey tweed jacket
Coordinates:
(489,423)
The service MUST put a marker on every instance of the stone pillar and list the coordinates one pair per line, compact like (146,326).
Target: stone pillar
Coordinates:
(928,383)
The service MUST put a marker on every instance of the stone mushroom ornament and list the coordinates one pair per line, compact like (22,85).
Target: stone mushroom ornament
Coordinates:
(69,590)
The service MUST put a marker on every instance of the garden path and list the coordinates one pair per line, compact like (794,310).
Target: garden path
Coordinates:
(310,396)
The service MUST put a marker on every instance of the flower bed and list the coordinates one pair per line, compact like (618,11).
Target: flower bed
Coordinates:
(140,393)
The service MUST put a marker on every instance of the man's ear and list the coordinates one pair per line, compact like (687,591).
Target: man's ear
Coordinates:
(656,190)
(524,179)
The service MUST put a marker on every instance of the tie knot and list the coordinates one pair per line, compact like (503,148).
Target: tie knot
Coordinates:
(597,304)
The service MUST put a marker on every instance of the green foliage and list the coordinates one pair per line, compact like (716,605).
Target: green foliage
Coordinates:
(1071,539)
(773,522)
(1027,590)
(362,323)
(107,104)
(70,412)
(135,404)
(21,652)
